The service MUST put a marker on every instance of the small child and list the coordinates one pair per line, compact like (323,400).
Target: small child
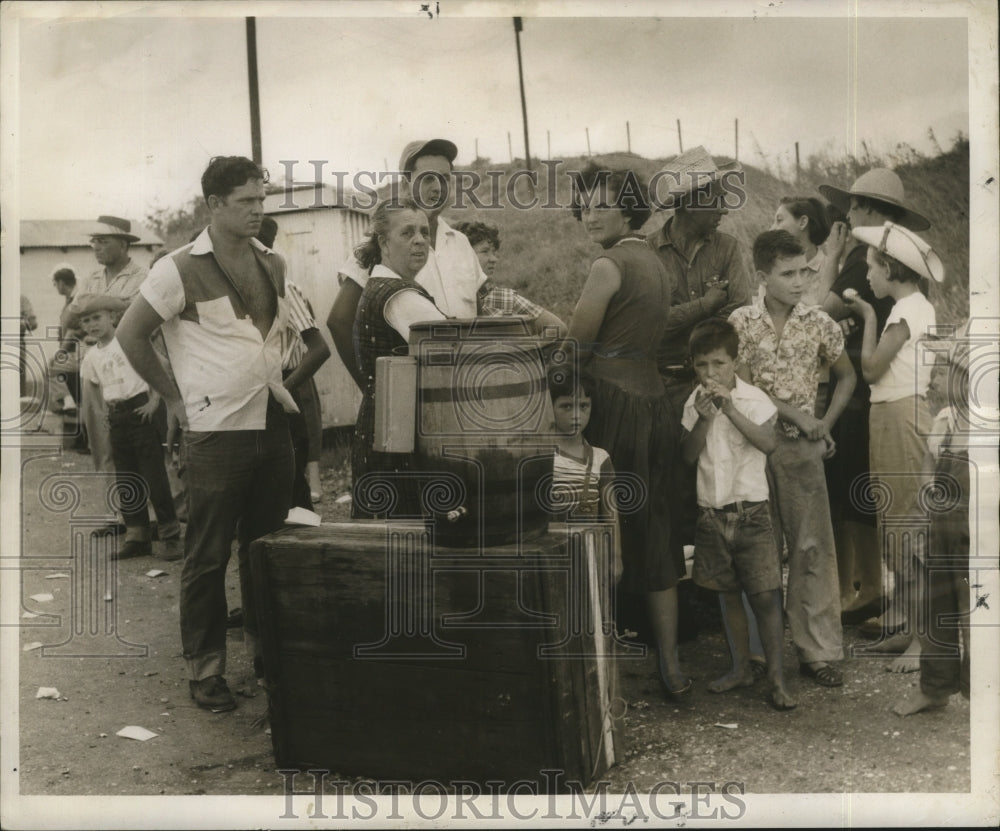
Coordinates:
(783,345)
(730,431)
(136,446)
(582,475)
(899,418)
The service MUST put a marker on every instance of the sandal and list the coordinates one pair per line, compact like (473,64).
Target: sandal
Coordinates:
(825,675)
(675,693)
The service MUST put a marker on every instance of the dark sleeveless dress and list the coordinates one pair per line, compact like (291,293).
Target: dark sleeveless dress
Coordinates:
(632,418)
(382,484)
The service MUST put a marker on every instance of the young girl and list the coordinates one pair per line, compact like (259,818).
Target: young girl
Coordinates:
(900,419)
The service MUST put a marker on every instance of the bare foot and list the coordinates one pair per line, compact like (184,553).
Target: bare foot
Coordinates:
(909,661)
(781,699)
(919,703)
(731,680)
(892,645)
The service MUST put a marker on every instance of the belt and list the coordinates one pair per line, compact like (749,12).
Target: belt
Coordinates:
(677,371)
(128,403)
(740,507)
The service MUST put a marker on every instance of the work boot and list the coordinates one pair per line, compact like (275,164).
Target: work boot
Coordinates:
(130,549)
(212,694)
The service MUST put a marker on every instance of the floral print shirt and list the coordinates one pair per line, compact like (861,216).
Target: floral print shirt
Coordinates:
(787,368)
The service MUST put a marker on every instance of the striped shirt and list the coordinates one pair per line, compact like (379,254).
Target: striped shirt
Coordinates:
(576,485)
(300,319)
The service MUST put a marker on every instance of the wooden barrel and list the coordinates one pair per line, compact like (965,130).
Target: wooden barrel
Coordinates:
(483,432)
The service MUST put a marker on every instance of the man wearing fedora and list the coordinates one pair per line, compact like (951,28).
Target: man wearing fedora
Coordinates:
(875,197)
(117,275)
(708,273)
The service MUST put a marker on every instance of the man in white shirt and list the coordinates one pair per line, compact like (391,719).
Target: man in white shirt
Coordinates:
(220,301)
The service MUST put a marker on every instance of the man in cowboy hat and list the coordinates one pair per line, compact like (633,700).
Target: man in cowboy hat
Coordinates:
(875,197)
(708,272)
(120,276)
(452,275)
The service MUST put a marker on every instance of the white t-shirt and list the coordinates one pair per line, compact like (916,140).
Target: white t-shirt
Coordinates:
(730,468)
(108,366)
(452,274)
(909,372)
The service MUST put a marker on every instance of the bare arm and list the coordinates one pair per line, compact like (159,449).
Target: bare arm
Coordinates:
(761,436)
(877,353)
(847,380)
(602,283)
(547,322)
(341,325)
(316,354)
(134,333)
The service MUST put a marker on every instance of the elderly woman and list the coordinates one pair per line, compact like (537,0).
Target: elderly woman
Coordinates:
(393,254)
(616,327)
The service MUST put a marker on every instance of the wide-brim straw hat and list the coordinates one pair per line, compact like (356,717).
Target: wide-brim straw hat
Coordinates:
(692,170)
(113,226)
(86,304)
(904,245)
(882,184)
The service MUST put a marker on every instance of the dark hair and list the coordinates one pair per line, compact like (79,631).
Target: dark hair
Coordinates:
(65,275)
(369,253)
(887,209)
(479,231)
(226,173)
(833,214)
(621,189)
(898,272)
(812,209)
(564,382)
(712,334)
(268,231)
(773,245)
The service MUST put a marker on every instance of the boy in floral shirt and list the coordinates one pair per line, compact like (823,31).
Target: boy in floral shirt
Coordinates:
(782,346)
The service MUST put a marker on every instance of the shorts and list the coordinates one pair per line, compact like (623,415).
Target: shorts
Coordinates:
(734,549)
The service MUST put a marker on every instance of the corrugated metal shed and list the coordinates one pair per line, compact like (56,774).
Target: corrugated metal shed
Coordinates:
(73,233)
(317,235)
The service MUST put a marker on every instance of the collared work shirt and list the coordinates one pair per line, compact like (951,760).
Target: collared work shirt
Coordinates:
(787,368)
(452,274)
(223,366)
(125,284)
(730,468)
(717,258)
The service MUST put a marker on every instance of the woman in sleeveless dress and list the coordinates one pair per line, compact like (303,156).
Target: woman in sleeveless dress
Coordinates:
(616,326)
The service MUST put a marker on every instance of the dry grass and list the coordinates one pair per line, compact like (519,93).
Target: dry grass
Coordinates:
(545,254)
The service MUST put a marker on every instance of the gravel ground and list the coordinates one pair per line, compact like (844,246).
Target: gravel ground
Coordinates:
(838,741)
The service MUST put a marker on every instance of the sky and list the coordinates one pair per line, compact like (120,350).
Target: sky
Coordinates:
(120,114)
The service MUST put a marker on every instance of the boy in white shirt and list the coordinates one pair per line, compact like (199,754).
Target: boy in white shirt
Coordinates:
(135,441)
(730,428)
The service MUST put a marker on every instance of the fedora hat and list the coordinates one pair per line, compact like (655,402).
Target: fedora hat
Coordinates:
(426,147)
(86,304)
(878,183)
(690,171)
(904,245)
(113,226)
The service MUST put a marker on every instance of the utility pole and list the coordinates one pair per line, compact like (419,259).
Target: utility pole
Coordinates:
(510,148)
(680,143)
(628,136)
(548,142)
(520,77)
(737,139)
(254,92)
(587,129)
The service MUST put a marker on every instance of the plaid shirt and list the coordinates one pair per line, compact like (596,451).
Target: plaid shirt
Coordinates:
(501,301)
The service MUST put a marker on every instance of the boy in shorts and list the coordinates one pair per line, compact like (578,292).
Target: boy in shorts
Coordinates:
(730,428)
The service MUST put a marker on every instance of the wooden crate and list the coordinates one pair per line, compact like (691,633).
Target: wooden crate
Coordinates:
(390,659)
